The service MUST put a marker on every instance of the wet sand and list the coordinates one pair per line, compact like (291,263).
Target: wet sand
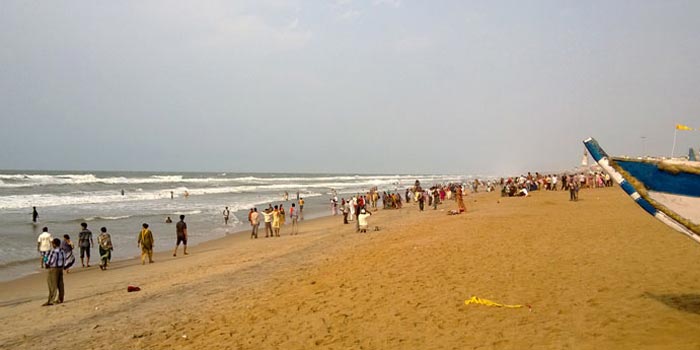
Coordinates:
(598,273)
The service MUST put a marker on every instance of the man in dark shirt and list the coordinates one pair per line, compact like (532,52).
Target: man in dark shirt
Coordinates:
(85,242)
(181,229)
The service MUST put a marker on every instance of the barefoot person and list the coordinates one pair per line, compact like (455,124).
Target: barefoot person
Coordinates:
(145,242)
(54,263)
(104,242)
(301,208)
(276,221)
(181,230)
(294,215)
(43,245)
(255,223)
(226,214)
(67,248)
(85,242)
(267,215)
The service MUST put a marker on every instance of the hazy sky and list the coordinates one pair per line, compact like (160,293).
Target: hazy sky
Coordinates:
(390,86)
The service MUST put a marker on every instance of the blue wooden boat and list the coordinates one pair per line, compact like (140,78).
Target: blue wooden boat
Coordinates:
(667,188)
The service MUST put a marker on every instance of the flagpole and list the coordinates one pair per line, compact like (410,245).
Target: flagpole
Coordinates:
(673,150)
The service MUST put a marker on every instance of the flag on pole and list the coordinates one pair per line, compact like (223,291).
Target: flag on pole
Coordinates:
(683,127)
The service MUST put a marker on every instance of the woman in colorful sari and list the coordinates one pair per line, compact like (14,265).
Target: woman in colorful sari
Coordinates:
(146,244)
(67,247)
(104,242)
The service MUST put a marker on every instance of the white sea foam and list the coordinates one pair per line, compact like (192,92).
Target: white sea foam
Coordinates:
(258,185)
(27,180)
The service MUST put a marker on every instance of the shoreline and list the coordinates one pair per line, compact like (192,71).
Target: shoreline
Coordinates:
(597,273)
(158,256)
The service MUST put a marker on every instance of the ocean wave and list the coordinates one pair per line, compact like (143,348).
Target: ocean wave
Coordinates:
(93,218)
(31,180)
(270,186)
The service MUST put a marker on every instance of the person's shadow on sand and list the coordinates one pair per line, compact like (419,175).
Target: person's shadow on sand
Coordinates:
(685,302)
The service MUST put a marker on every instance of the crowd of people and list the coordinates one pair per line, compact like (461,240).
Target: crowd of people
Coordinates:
(524,184)
(57,255)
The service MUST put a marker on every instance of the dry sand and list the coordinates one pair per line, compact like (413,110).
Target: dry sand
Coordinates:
(598,273)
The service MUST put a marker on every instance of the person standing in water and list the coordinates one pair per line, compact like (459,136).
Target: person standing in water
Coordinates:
(35,215)
(43,245)
(301,208)
(181,230)
(226,214)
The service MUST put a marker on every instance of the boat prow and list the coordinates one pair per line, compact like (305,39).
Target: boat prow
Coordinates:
(668,189)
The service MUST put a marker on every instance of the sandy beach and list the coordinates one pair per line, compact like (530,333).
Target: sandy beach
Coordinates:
(598,273)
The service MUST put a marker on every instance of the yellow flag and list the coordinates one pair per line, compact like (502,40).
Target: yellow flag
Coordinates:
(683,127)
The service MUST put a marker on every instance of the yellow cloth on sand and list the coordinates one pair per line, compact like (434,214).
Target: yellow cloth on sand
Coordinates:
(477,300)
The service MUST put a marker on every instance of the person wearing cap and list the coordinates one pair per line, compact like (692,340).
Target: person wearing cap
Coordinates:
(362,220)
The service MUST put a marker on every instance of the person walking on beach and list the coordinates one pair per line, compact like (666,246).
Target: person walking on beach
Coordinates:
(145,242)
(267,214)
(294,215)
(104,244)
(43,245)
(54,263)
(181,231)
(255,223)
(85,242)
(301,208)
(226,214)
(67,248)
(35,215)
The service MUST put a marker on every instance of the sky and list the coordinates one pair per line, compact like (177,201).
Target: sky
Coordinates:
(374,86)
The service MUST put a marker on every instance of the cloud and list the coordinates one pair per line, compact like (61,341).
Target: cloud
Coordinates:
(392,3)
(248,31)
(413,44)
(349,15)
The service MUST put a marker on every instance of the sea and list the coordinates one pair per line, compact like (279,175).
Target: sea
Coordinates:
(123,201)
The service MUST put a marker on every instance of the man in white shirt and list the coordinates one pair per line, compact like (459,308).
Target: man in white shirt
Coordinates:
(43,244)
(267,216)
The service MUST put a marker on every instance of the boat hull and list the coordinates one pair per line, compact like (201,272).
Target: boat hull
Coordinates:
(668,190)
